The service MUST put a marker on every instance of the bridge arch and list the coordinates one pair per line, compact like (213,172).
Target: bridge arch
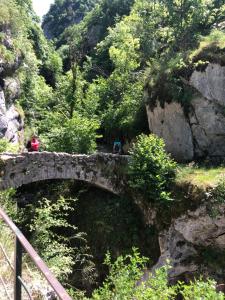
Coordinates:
(103,170)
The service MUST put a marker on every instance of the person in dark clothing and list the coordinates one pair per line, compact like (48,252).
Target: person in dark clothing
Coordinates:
(28,145)
(117,147)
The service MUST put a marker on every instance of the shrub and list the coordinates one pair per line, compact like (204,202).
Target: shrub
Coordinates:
(49,218)
(151,170)
(200,289)
(218,192)
(8,204)
(125,281)
(60,244)
(123,276)
(6,146)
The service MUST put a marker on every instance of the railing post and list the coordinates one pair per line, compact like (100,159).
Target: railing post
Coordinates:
(18,270)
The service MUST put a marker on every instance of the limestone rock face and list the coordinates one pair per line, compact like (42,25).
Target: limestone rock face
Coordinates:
(207,122)
(201,132)
(184,242)
(11,123)
(170,124)
(210,83)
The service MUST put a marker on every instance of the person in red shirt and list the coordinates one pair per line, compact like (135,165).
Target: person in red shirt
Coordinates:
(33,145)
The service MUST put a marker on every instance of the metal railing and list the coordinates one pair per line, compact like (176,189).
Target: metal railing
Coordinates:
(21,244)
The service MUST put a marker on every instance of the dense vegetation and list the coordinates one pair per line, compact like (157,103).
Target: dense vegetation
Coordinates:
(87,85)
(103,63)
(63,14)
(151,170)
(152,44)
(70,255)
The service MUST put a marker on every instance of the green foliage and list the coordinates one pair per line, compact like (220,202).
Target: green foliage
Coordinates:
(75,94)
(12,25)
(76,135)
(210,49)
(36,98)
(121,100)
(8,204)
(53,235)
(146,41)
(63,14)
(50,62)
(213,258)
(215,37)
(6,146)
(151,170)
(105,218)
(216,197)
(200,289)
(53,246)
(218,192)
(9,15)
(125,281)
(123,276)
(124,47)
(165,32)
(24,47)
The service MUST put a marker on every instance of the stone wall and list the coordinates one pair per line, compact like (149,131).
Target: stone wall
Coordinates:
(201,132)
(107,171)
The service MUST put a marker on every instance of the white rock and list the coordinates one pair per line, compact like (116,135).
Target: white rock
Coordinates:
(170,124)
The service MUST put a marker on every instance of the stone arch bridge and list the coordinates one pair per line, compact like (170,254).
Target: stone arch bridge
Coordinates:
(107,171)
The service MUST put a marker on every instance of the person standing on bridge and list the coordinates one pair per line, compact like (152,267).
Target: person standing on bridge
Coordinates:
(117,147)
(33,144)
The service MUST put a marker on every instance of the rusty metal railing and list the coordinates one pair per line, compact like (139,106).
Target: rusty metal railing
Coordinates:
(21,244)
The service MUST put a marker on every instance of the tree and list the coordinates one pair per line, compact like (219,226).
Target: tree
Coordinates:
(64,13)
(76,135)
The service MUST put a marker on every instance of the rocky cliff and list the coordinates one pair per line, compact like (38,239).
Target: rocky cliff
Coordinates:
(191,235)
(194,244)
(200,132)
(11,123)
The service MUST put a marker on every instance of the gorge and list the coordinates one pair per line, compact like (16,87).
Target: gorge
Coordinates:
(151,76)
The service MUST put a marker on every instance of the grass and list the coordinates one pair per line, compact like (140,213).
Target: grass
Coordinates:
(200,176)
(7,242)
(211,49)
(216,39)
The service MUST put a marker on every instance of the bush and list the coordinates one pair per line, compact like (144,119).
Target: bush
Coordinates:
(123,276)
(59,243)
(151,170)
(49,218)
(218,192)
(6,146)
(201,290)
(125,281)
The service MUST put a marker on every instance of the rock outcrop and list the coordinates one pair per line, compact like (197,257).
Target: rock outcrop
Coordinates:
(170,123)
(188,240)
(11,123)
(199,133)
